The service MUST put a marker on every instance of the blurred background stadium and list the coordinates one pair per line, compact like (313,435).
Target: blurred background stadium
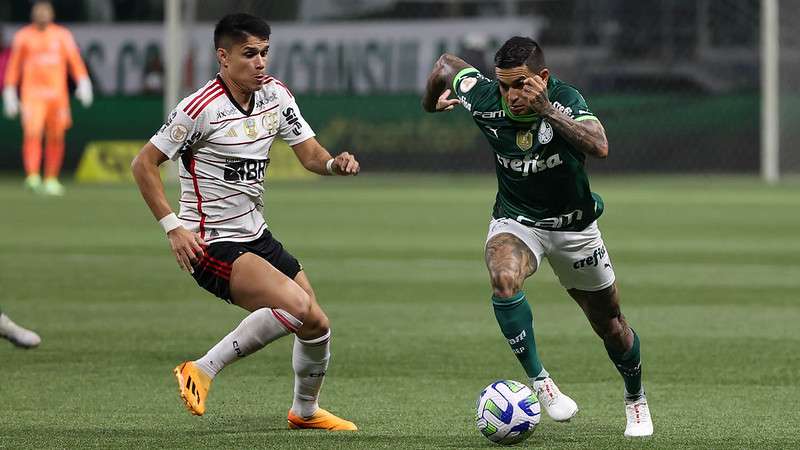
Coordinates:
(677,83)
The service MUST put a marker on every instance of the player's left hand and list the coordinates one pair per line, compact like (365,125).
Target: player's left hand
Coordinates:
(535,92)
(446,104)
(345,164)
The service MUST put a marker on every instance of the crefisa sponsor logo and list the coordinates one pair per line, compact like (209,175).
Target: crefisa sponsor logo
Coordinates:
(590,261)
(530,163)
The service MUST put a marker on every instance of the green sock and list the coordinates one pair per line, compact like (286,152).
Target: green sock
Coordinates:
(629,366)
(516,322)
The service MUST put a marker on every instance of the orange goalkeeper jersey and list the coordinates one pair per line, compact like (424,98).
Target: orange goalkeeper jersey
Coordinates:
(39,60)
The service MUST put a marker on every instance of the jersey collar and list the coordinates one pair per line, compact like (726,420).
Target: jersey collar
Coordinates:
(518,118)
(233,100)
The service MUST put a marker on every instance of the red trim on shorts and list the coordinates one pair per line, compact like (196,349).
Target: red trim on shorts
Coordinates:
(216,272)
(223,264)
(217,267)
(207,265)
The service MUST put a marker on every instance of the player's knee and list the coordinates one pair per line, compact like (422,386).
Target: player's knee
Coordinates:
(317,323)
(505,283)
(300,304)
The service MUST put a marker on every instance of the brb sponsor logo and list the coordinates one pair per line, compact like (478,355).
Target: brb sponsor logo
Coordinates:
(530,164)
(244,169)
(590,261)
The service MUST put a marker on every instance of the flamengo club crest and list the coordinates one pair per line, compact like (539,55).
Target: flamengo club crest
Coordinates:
(270,122)
(250,128)
(524,140)
(545,132)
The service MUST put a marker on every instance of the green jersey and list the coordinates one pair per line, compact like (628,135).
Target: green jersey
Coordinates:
(540,176)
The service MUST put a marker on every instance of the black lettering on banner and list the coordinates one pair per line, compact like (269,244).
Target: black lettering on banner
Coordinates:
(291,119)
(244,169)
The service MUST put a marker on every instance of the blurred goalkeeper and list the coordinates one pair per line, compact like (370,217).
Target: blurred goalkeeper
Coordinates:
(40,54)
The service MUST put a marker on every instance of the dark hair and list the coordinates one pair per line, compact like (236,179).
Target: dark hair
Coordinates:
(235,28)
(518,51)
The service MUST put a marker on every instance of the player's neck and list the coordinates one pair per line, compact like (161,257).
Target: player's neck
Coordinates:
(241,95)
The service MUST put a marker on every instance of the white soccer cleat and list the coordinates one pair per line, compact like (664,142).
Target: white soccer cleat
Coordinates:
(18,336)
(639,422)
(558,406)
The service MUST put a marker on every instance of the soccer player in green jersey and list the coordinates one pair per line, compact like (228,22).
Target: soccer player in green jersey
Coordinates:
(541,130)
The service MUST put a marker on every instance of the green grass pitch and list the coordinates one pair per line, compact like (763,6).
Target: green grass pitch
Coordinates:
(709,271)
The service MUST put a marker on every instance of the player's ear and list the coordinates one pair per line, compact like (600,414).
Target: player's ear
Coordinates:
(544,74)
(222,57)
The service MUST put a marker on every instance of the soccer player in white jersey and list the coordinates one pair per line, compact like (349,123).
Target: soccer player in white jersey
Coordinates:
(222,135)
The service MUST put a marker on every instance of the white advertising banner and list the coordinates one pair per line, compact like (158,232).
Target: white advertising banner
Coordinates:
(340,57)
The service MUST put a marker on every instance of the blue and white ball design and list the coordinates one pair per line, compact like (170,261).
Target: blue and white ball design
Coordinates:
(508,412)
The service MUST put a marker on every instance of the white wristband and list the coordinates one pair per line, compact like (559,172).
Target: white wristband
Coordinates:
(329,166)
(170,222)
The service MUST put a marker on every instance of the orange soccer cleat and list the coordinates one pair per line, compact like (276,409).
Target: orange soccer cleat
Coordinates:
(321,420)
(193,385)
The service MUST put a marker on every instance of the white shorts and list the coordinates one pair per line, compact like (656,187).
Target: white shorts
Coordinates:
(578,258)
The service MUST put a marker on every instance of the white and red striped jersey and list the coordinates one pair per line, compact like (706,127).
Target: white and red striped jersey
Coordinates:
(224,153)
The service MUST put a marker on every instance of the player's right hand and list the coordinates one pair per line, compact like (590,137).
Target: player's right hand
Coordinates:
(187,246)
(445,104)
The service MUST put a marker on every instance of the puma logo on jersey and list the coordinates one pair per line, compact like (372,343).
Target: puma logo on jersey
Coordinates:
(493,130)
(530,164)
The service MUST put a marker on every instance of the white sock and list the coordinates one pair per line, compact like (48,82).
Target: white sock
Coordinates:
(310,361)
(258,329)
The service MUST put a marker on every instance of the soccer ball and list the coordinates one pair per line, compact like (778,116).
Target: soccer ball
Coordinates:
(508,412)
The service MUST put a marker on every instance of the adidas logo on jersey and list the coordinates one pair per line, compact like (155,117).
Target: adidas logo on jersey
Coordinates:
(231,133)
(530,164)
